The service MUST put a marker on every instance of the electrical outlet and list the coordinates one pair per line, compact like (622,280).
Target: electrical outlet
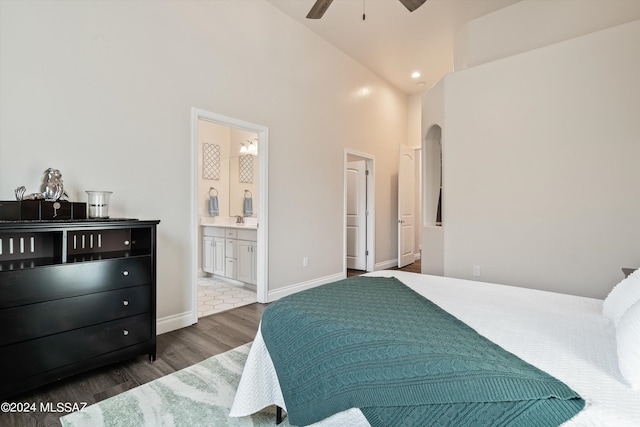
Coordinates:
(305,262)
(476,270)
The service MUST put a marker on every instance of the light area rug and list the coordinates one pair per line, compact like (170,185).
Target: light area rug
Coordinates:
(200,395)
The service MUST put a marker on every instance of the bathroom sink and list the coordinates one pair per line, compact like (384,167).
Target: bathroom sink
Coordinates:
(248,223)
(234,225)
(241,225)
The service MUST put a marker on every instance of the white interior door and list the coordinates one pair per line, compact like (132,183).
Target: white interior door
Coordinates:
(356,215)
(406,205)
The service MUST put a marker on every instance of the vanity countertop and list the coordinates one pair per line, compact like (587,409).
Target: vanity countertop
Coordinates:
(247,226)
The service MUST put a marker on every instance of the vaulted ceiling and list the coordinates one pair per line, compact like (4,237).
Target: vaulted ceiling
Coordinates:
(392,41)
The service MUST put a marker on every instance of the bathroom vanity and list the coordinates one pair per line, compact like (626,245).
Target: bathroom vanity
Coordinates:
(230,251)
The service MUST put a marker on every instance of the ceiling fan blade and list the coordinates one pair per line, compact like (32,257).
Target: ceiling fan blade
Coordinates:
(412,4)
(318,9)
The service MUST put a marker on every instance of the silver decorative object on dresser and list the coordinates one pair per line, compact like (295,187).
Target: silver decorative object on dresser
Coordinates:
(51,189)
(51,203)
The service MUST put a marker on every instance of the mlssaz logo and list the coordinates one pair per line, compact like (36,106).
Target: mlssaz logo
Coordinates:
(62,406)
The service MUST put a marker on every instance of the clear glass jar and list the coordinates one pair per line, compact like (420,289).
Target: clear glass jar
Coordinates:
(98,204)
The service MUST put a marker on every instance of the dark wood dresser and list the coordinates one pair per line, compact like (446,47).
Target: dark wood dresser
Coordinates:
(74,295)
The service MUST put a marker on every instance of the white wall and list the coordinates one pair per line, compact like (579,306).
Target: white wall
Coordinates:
(541,169)
(104,90)
(530,24)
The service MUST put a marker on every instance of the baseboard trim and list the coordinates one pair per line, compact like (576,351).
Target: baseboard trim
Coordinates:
(171,323)
(182,320)
(276,294)
(386,264)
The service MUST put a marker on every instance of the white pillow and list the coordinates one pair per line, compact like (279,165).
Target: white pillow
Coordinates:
(621,297)
(628,342)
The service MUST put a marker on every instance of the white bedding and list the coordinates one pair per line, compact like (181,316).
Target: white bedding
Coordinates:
(565,336)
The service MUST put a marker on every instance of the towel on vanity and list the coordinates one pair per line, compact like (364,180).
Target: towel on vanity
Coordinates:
(214,208)
(248,206)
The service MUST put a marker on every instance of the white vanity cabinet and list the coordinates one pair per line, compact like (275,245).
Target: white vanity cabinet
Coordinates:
(230,252)
(207,254)
(246,249)
(218,256)
(213,251)
(246,265)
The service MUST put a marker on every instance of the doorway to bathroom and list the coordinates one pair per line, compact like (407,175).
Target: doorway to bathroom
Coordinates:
(229,213)
(359,202)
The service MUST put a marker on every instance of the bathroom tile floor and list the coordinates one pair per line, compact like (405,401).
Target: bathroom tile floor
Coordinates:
(215,296)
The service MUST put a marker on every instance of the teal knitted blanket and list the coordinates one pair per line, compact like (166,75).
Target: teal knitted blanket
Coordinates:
(373,343)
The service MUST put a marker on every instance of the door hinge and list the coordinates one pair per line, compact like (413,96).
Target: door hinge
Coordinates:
(366,253)
(366,172)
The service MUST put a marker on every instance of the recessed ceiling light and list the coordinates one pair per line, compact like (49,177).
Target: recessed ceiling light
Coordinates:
(421,83)
(365,91)
(415,74)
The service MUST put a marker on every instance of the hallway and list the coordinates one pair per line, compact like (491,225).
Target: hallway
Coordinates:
(412,268)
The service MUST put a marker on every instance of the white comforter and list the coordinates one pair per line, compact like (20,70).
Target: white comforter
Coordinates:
(565,336)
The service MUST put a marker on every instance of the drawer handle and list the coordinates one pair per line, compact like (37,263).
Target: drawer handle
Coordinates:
(125,332)
(126,243)
(125,273)
(125,302)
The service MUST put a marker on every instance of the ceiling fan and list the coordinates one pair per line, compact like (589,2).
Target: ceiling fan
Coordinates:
(321,6)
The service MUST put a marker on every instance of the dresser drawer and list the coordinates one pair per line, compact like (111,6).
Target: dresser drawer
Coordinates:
(28,286)
(98,241)
(40,355)
(51,317)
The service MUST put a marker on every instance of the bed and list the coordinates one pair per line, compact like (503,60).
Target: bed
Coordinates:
(567,337)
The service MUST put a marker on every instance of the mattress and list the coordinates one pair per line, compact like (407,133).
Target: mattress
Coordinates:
(565,336)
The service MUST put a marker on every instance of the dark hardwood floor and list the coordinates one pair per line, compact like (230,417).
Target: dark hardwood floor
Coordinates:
(176,350)
(413,268)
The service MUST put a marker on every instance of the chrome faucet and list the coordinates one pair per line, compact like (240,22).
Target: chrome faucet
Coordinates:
(239,219)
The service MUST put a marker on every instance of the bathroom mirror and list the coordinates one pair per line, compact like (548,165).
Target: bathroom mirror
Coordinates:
(243,184)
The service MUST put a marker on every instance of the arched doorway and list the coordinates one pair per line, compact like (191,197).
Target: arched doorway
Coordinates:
(432,214)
